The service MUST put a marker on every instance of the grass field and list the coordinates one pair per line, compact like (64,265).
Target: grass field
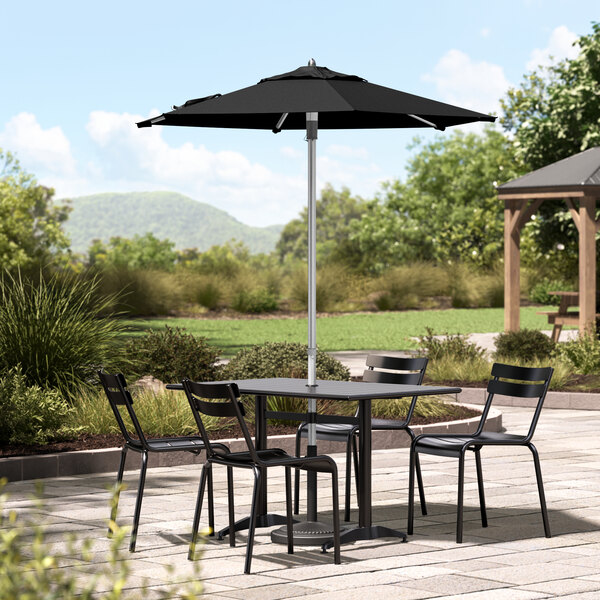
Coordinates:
(373,331)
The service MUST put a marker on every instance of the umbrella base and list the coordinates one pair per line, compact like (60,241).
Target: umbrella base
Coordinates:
(306,533)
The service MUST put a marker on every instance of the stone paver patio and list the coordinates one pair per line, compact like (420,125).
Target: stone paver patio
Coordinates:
(510,559)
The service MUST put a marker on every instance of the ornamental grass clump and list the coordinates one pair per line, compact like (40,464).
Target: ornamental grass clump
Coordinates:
(59,330)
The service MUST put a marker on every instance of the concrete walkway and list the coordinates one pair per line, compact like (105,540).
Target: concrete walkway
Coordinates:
(509,560)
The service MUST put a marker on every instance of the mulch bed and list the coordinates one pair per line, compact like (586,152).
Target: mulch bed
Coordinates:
(114,440)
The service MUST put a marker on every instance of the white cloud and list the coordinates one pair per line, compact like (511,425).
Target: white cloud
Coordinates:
(38,149)
(560,46)
(462,81)
(290,152)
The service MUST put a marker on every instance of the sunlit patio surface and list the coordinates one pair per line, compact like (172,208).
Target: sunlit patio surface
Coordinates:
(509,559)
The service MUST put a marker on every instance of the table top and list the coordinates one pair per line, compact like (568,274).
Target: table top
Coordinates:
(334,390)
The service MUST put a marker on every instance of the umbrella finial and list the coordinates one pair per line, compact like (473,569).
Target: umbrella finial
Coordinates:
(312,63)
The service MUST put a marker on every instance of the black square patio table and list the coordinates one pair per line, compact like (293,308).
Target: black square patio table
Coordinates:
(364,393)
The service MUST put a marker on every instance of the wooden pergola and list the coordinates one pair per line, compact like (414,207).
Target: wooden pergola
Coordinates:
(576,180)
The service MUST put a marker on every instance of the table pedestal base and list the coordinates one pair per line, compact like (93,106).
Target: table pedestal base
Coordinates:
(306,533)
(358,534)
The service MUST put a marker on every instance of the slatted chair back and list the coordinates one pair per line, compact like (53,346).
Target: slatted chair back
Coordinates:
(230,408)
(398,369)
(119,396)
(525,382)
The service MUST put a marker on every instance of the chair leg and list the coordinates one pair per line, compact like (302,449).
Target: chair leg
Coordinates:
(252,524)
(459,504)
(138,502)
(115,499)
(540,484)
(420,485)
(348,477)
(356,466)
(411,491)
(336,519)
(297,477)
(211,504)
(201,486)
(419,476)
(231,506)
(484,522)
(288,510)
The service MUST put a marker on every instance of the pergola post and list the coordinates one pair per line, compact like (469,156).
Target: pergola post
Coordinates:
(587,264)
(512,263)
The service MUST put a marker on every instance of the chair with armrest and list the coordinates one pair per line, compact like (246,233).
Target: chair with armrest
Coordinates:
(120,399)
(399,370)
(507,380)
(230,407)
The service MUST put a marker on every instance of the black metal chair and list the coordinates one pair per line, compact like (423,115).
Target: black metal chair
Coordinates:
(119,396)
(405,371)
(256,460)
(525,383)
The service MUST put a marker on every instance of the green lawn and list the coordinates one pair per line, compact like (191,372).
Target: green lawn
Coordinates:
(375,331)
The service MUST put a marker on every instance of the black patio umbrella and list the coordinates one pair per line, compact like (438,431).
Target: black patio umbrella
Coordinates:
(312,98)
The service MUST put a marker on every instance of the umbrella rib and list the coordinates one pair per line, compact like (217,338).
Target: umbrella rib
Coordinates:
(426,122)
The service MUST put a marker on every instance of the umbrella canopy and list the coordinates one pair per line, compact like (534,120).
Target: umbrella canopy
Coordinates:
(342,101)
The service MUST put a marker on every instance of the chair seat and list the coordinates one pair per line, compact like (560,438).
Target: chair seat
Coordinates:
(388,424)
(190,444)
(331,432)
(451,445)
(278,457)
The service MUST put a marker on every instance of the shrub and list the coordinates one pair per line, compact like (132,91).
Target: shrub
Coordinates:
(283,359)
(255,301)
(57,330)
(172,355)
(524,345)
(539,292)
(453,346)
(582,353)
(30,414)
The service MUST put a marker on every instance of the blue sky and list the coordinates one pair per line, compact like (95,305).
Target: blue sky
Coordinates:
(77,75)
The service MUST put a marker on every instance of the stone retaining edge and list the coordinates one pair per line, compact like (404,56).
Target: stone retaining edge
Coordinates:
(106,460)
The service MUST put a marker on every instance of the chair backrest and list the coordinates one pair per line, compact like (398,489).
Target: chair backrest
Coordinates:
(524,382)
(118,396)
(398,369)
(230,408)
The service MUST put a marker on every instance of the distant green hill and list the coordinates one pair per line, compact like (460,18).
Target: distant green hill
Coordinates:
(188,223)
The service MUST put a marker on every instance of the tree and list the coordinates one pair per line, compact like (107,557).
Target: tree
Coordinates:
(447,209)
(140,252)
(335,212)
(553,115)
(30,224)
(556,111)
